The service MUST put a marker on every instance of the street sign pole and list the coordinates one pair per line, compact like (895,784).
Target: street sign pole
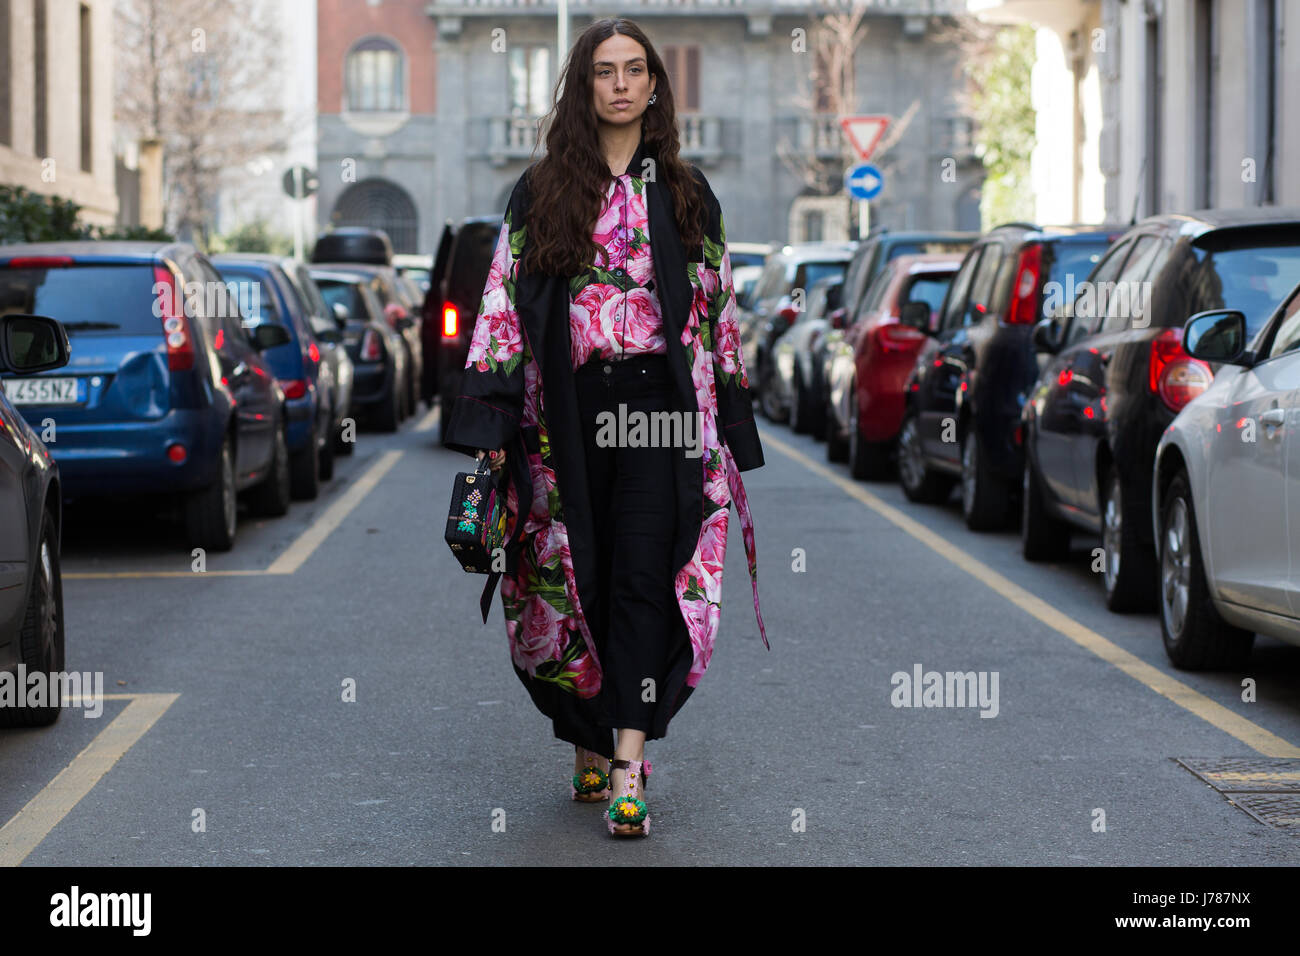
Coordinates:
(864,218)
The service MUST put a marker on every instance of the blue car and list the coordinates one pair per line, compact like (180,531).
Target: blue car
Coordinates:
(267,295)
(165,392)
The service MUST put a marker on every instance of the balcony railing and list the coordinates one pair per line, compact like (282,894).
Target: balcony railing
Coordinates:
(511,138)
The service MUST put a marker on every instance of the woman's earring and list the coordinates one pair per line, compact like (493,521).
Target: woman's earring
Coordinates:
(653,97)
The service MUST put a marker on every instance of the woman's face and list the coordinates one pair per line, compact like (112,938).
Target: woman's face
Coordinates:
(621,80)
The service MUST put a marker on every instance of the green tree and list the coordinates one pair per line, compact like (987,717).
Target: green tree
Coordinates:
(1004,114)
(253,236)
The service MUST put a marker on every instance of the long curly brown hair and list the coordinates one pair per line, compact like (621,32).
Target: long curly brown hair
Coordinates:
(566,188)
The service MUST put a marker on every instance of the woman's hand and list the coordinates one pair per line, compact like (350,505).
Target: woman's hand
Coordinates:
(495,458)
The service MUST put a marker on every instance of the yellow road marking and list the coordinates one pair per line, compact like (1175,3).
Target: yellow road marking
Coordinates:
(1248,732)
(302,547)
(1265,775)
(428,421)
(44,811)
(320,529)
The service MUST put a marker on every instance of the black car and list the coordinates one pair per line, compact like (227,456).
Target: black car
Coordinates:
(31,522)
(354,244)
(1116,375)
(460,273)
(961,417)
(377,350)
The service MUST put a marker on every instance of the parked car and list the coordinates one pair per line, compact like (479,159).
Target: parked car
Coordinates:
(743,255)
(31,518)
(792,381)
(964,396)
(1115,375)
(869,366)
(779,297)
(460,274)
(1225,494)
(166,392)
(376,348)
(307,381)
(329,336)
(870,258)
(401,312)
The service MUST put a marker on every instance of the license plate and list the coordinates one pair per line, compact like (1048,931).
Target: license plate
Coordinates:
(41,391)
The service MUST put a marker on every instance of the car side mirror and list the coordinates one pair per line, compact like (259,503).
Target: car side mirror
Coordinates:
(1046,336)
(328,336)
(1217,336)
(341,315)
(916,315)
(267,335)
(405,322)
(32,343)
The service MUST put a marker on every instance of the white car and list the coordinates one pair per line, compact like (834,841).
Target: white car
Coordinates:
(1225,491)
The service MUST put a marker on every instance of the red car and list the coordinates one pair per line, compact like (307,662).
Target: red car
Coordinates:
(868,367)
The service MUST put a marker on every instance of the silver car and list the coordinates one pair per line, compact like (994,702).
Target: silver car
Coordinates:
(1226,494)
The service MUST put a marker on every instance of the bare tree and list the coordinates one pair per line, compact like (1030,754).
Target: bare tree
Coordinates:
(833,40)
(204,79)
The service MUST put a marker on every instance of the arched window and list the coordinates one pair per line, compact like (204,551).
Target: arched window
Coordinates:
(380,204)
(375,74)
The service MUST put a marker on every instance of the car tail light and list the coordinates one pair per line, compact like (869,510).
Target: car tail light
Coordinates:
(1024,294)
(1173,374)
(450,321)
(177,453)
(294,387)
(176,328)
(371,349)
(789,313)
(894,337)
(313,353)
(39,262)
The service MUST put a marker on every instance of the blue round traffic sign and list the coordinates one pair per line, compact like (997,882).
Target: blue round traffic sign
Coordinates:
(864,181)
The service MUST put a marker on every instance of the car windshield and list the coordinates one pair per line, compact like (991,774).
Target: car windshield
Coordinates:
(255,300)
(812,271)
(88,300)
(1251,279)
(917,248)
(347,294)
(1075,259)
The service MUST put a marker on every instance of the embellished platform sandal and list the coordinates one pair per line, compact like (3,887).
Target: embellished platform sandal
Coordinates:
(628,814)
(591,783)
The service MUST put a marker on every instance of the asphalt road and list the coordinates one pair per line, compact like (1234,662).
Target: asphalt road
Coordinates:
(795,756)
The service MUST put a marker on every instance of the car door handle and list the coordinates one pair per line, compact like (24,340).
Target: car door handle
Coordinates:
(1273,418)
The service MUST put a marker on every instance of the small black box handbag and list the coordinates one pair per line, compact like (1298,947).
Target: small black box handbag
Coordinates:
(476,523)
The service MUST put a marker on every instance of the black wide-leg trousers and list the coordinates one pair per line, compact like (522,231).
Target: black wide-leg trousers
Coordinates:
(634,512)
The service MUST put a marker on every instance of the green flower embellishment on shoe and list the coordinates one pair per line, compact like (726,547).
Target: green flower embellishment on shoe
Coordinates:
(591,780)
(627,810)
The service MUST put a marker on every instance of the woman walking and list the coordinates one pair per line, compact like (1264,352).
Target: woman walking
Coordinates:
(605,377)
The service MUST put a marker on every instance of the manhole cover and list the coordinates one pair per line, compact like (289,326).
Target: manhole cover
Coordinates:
(1268,788)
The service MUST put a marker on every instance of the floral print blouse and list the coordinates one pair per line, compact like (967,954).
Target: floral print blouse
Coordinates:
(615,312)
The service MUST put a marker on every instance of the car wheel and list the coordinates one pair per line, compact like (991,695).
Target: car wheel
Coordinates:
(1195,636)
(1128,570)
(304,471)
(868,460)
(1042,536)
(801,413)
(327,447)
(389,415)
(271,497)
(985,497)
(211,514)
(40,642)
(837,446)
(920,483)
(768,400)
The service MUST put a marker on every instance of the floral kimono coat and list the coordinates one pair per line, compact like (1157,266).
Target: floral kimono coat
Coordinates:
(518,393)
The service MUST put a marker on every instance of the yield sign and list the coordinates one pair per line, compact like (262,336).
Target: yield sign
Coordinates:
(864,132)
